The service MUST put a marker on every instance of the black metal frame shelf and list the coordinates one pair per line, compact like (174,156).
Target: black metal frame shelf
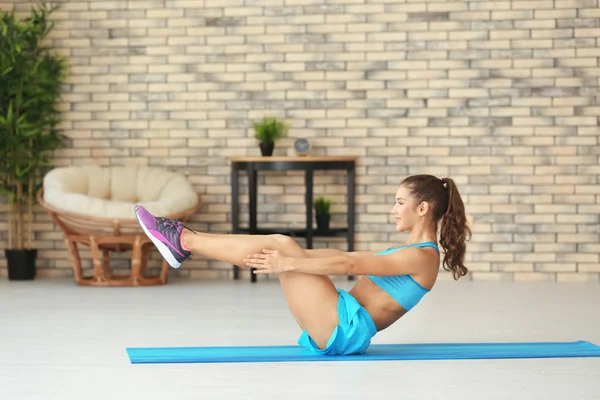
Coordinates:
(308,164)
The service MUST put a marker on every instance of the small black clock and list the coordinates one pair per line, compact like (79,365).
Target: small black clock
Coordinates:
(302,147)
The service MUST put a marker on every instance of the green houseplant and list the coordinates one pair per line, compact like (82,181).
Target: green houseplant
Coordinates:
(31,76)
(268,131)
(322,213)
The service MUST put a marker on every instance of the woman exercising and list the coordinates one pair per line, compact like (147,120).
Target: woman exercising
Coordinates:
(333,321)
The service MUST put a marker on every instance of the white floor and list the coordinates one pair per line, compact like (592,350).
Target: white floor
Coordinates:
(60,341)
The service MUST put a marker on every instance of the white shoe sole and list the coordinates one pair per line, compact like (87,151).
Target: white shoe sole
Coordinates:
(162,248)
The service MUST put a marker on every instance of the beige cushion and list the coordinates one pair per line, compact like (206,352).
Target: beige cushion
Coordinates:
(112,192)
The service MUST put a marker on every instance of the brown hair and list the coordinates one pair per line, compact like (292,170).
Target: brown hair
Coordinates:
(446,203)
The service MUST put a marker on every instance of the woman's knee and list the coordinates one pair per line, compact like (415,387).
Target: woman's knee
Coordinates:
(284,242)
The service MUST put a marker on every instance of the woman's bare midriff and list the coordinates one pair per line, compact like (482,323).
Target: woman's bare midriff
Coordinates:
(381,306)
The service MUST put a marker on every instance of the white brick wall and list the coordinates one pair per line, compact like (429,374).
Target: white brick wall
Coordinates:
(500,95)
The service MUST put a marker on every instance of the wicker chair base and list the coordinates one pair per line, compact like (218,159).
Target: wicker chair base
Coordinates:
(101,247)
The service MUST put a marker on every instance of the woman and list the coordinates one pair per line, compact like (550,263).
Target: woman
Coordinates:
(336,322)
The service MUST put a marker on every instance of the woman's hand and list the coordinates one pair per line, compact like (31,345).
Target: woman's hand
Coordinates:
(270,262)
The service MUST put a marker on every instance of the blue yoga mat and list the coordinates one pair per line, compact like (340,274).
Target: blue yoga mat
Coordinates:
(431,351)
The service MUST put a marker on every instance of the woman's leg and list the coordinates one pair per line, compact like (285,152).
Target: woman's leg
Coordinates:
(312,299)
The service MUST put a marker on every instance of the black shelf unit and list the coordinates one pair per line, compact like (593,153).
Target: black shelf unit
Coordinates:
(251,165)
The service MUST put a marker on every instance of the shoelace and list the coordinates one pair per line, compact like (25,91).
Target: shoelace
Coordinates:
(170,228)
(169,223)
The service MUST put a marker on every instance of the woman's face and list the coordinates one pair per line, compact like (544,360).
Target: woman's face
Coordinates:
(406,212)
(403,210)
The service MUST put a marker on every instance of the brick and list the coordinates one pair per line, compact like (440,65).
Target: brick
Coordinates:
(555,267)
(337,18)
(555,53)
(468,131)
(587,32)
(575,3)
(533,63)
(537,239)
(578,257)
(511,15)
(588,208)
(448,6)
(361,27)
(570,101)
(490,44)
(583,130)
(514,73)
(469,55)
(187,4)
(386,37)
(510,111)
(589,13)
(468,93)
(552,72)
(587,268)
(587,46)
(554,112)
(533,121)
(532,4)
(490,5)
(470,15)
(534,277)
(576,62)
(531,44)
(556,14)
(580,277)
(507,35)
(450,26)
(535,24)
(589,52)
(247,11)
(578,238)
(577,121)
(466,74)
(491,276)
(512,267)
(552,34)
(365,9)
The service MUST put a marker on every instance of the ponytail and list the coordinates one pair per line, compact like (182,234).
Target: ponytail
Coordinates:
(455,231)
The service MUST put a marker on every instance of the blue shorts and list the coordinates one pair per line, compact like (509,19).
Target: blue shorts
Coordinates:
(352,335)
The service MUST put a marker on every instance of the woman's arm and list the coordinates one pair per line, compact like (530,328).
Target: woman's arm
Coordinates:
(319,253)
(407,261)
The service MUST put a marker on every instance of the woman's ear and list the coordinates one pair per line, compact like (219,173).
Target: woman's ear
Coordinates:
(423,208)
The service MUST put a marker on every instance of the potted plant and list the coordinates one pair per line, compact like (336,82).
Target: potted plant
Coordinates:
(268,131)
(322,213)
(31,76)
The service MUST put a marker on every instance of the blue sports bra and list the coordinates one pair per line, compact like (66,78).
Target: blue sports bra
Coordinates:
(403,288)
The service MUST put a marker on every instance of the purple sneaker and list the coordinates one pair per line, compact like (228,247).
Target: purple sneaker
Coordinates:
(165,233)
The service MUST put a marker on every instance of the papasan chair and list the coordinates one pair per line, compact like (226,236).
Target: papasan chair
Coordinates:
(94,206)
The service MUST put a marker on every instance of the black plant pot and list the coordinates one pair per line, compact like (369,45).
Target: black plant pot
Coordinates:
(21,264)
(323,222)
(266,148)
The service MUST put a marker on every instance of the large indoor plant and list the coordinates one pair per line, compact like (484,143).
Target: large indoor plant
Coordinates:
(31,77)
(268,131)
